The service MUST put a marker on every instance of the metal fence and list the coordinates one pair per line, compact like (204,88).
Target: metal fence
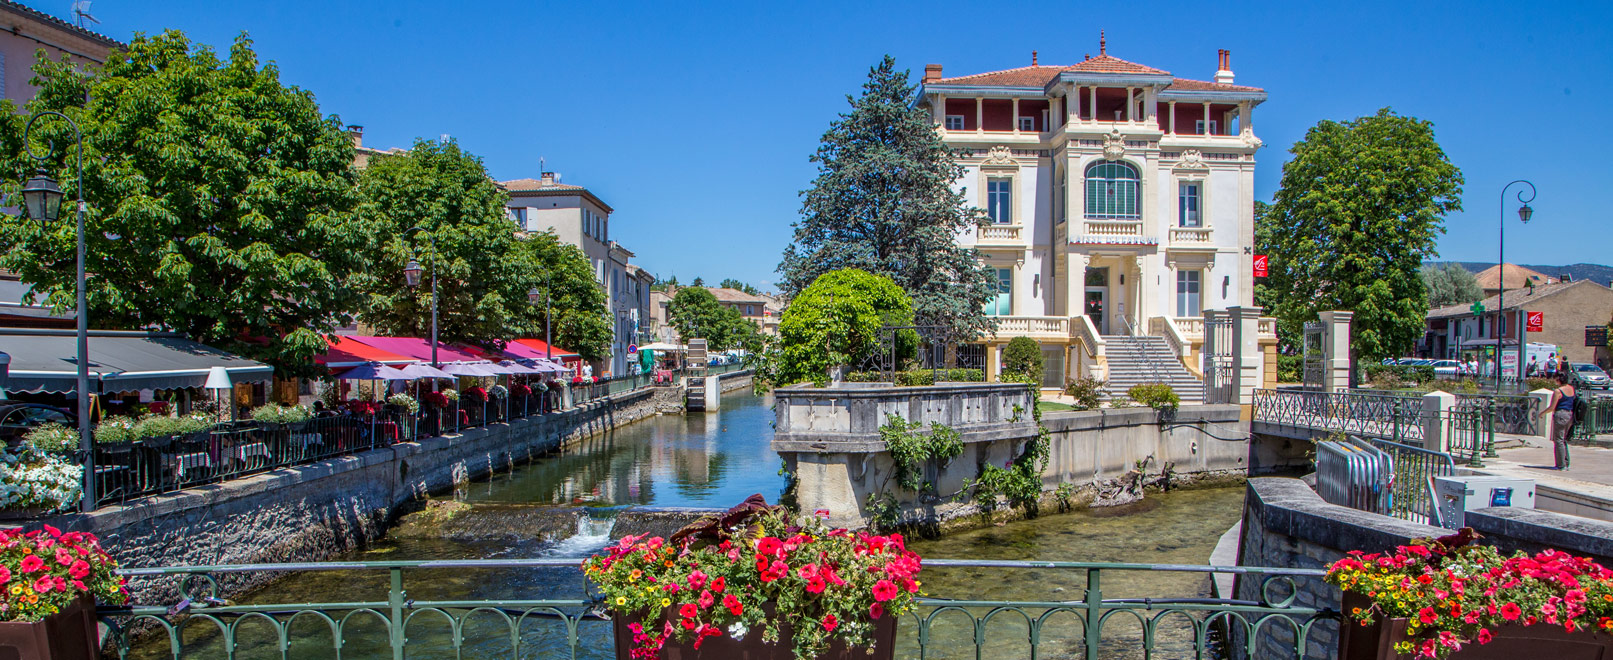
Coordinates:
(1381,476)
(152,466)
(1412,483)
(1094,624)
(1598,422)
(1397,418)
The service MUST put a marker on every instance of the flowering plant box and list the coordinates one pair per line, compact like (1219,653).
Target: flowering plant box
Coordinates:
(757,582)
(1445,598)
(49,582)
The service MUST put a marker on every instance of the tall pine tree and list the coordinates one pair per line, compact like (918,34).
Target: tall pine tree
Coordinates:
(883,202)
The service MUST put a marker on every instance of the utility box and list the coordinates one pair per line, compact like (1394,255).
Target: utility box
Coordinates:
(1455,496)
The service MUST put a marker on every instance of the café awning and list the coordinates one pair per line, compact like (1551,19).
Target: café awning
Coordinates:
(120,361)
(414,347)
(535,348)
(346,352)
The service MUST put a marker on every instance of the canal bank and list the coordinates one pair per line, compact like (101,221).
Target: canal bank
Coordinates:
(316,511)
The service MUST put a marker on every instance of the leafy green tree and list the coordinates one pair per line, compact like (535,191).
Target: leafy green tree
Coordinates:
(1361,204)
(582,322)
(737,285)
(444,191)
(219,201)
(695,312)
(697,282)
(1450,284)
(835,321)
(1022,360)
(883,202)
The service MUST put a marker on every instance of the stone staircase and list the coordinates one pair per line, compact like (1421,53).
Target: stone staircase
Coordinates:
(1143,360)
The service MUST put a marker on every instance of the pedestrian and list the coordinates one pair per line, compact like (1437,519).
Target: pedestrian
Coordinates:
(1562,365)
(1561,410)
(1551,366)
(1534,367)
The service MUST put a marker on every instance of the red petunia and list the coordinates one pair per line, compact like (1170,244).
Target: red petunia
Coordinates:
(884,590)
(1484,636)
(830,622)
(1427,615)
(815,585)
(876,610)
(734,606)
(688,610)
(1511,611)
(718,585)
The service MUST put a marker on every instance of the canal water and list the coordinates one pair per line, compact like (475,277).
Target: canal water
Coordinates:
(716,460)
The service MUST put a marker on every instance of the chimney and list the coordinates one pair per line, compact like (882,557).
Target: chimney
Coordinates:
(1223,74)
(1103,44)
(355,133)
(1033,58)
(548,178)
(932,72)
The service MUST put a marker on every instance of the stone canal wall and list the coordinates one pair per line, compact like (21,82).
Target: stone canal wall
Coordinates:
(313,512)
(830,440)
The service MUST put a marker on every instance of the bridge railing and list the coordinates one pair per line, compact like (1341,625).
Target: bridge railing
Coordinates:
(1398,418)
(395,609)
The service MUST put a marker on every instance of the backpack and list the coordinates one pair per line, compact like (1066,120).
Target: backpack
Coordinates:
(1582,408)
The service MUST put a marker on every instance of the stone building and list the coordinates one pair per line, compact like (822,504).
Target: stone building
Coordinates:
(1568,309)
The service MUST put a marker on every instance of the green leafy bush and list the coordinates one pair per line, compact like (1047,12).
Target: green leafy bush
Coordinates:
(1290,368)
(1463,386)
(115,429)
(915,378)
(163,426)
(1533,384)
(273,413)
(1023,357)
(1403,373)
(1158,396)
(909,447)
(964,375)
(1087,391)
(52,438)
(405,401)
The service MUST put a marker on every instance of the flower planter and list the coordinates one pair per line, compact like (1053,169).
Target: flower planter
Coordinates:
(1510,642)
(66,635)
(753,648)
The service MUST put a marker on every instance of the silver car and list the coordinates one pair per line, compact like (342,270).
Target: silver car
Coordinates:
(1590,376)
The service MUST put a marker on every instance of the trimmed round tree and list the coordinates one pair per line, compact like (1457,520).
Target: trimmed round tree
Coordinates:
(1022,360)
(836,321)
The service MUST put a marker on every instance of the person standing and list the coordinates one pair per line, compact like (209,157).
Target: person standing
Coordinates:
(1551,366)
(1561,410)
(1533,369)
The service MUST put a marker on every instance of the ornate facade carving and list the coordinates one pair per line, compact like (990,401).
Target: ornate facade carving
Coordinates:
(1192,159)
(1000,156)
(1114,145)
(1248,135)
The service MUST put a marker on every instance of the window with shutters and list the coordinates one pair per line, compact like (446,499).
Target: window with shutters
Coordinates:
(1113,191)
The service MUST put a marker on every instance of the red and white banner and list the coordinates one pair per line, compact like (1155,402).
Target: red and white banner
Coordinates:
(1535,322)
(1260,265)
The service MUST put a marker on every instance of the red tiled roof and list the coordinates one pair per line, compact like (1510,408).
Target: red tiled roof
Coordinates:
(1111,64)
(1183,84)
(535,185)
(1030,76)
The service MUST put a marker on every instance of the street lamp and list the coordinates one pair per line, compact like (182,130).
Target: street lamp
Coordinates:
(42,201)
(411,276)
(1524,213)
(548,295)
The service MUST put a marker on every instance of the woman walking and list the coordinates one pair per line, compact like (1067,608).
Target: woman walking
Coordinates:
(1561,410)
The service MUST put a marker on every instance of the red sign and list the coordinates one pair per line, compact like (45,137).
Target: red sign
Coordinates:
(1536,322)
(821,513)
(1260,265)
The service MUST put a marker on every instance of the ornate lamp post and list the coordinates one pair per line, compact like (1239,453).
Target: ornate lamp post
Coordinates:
(548,295)
(411,276)
(1524,213)
(42,200)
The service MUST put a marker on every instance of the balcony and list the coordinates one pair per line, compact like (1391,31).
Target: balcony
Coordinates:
(1001,235)
(1117,231)
(1191,237)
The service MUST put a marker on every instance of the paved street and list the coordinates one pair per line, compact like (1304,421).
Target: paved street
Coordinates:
(1590,471)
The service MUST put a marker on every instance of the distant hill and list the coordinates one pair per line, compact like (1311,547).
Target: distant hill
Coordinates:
(1595,272)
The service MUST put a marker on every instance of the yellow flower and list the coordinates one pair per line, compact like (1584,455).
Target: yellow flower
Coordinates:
(666,602)
(621,600)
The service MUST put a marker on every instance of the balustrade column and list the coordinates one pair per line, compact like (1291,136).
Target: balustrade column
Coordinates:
(1336,362)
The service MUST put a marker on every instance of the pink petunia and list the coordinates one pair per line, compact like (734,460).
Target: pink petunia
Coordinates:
(884,590)
(32,564)
(44,584)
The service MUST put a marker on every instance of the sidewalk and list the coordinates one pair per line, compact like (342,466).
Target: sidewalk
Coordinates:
(1585,489)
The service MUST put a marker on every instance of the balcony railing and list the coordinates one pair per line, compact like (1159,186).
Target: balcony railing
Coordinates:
(1190,236)
(1000,234)
(1114,228)
(1033,326)
(407,608)
(1190,326)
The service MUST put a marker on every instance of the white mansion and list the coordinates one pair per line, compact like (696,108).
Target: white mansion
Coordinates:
(1121,200)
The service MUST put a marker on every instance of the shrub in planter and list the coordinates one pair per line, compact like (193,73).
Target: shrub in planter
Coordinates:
(451,393)
(1158,396)
(521,389)
(51,438)
(475,394)
(363,408)
(1532,384)
(49,582)
(756,571)
(435,399)
(162,426)
(274,413)
(915,378)
(405,402)
(1023,356)
(1087,391)
(966,375)
(1436,597)
(498,392)
(115,429)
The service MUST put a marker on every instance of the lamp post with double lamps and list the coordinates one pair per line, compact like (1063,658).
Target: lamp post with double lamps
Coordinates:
(42,201)
(1524,213)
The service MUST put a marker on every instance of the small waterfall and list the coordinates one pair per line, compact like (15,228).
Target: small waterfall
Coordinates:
(592,535)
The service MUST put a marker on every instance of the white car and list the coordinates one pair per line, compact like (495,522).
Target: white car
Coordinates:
(1447,368)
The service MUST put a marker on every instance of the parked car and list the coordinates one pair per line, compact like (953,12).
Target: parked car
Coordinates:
(1447,368)
(17,419)
(1589,376)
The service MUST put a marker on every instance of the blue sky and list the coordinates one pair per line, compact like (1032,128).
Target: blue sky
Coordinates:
(695,120)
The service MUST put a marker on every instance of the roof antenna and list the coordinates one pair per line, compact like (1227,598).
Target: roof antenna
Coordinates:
(81,13)
(1103,44)
(540,165)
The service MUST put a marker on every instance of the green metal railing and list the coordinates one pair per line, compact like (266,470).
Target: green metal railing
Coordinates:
(1394,418)
(1598,422)
(201,624)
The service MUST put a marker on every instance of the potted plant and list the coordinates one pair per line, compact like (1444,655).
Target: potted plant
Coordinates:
(33,483)
(51,438)
(1447,598)
(476,394)
(363,408)
(49,582)
(437,400)
(404,403)
(521,389)
(498,392)
(757,582)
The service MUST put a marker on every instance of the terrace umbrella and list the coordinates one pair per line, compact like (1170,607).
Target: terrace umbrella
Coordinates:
(419,371)
(469,369)
(374,371)
(520,369)
(548,366)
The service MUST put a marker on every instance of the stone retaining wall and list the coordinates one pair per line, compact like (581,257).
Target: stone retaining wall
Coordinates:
(315,511)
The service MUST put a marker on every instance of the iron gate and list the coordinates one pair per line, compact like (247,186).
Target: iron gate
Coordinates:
(1314,356)
(1220,368)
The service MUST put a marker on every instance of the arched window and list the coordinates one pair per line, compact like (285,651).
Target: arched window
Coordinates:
(1113,191)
